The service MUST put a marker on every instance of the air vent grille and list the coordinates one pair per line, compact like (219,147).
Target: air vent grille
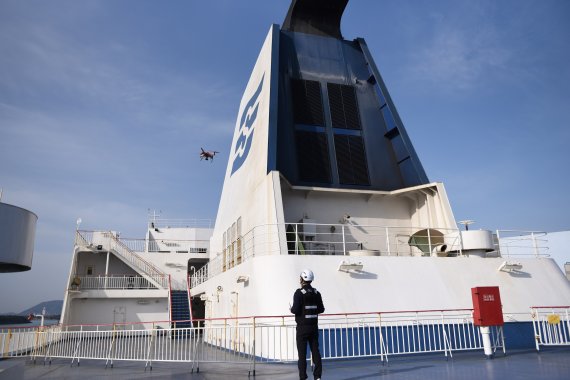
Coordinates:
(312,156)
(343,106)
(351,160)
(307,102)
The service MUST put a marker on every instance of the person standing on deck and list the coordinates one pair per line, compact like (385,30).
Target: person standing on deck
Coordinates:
(307,305)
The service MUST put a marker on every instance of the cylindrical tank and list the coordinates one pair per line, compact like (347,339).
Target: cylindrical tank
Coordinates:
(474,242)
(17,234)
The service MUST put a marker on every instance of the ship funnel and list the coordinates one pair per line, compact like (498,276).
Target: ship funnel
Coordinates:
(315,114)
(319,17)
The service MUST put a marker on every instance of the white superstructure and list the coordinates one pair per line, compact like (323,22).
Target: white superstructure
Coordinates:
(372,249)
(116,280)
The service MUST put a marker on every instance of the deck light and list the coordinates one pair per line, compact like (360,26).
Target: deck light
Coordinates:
(510,266)
(347,267)
(243,279)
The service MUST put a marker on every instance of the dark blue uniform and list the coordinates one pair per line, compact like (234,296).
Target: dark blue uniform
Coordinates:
(307,305)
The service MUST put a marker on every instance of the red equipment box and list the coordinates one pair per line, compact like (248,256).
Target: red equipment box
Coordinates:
(487,306)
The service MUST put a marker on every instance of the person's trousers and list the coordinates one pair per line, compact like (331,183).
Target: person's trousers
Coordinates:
(308,335)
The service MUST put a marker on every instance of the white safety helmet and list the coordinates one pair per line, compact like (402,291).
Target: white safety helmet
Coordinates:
(307,275)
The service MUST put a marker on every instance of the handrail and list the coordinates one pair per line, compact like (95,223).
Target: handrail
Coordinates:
(551,325)
(512,243)
(179,223)
(279,316)
(198,246)
(169,298)
(115,281)
(189,298)
(143,264)
(255,340)
(352,238)
(117,246)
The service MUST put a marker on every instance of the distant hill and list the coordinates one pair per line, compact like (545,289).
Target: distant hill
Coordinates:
(52,308)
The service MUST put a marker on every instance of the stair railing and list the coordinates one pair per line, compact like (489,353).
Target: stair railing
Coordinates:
(152,272)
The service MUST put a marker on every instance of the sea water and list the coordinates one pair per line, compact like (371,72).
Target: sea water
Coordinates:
(33,323)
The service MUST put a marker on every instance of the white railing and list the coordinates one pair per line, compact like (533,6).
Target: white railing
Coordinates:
(203,274)
(213,268)
(83,238)
(351,238)
(136,260)
(27,341)
(114,282)
(252,340)
(167,245)
(379,334)
(135,245)
(521,243)
(551,325)
(111,242)
(180,223)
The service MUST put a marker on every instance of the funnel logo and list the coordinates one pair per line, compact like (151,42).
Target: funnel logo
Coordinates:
(247,119)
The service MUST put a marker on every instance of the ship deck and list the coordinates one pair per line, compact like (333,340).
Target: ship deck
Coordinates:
(549,364)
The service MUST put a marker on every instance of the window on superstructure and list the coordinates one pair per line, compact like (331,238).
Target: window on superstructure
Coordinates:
(239,242)
(234,244)
(224,251)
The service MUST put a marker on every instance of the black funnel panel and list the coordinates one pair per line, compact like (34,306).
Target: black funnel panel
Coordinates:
(337,124)
(319,17)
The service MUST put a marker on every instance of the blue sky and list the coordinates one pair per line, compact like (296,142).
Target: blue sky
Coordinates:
(104,106)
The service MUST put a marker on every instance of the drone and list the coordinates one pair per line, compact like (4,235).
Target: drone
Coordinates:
(207,154)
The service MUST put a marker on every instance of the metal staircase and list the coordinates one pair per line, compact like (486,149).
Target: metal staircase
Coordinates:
(180,310)
(112,243)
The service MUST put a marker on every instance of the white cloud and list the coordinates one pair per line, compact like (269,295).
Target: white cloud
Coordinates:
(458,58)
(105,78)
